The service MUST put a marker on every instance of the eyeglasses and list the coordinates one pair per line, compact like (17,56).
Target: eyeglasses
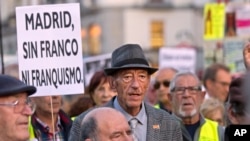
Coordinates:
(191,90)
(19,105)
(165,83)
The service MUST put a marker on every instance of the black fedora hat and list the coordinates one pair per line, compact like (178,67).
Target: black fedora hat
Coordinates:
(128,56)
(10,85)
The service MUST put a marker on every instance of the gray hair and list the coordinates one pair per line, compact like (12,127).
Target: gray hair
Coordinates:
(179,74)
(89,129)
(210,105)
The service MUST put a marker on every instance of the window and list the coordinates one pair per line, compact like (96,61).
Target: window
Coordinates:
(157,34)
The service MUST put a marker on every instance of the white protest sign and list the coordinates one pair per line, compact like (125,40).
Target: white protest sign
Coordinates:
(50,48)
(233,55)
(95,63)
(182,59)
(243,21)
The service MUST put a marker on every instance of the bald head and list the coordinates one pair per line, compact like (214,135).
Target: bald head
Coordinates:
(166,71)
(102,113)
(104,122)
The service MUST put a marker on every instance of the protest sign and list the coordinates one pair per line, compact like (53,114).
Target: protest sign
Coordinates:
(233,55)
(214,21)
(95,63)
(182,59)
(50,48)
(243,21)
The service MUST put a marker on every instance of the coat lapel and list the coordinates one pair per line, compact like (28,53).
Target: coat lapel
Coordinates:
(153,127)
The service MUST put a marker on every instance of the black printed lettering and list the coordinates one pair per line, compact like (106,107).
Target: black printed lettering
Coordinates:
(30,50)
(46,20)
(56,77)
(57,48)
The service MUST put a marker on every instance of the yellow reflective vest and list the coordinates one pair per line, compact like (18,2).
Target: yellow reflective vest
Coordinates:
(31,130)
(157,106)
(209,131)
(73,118)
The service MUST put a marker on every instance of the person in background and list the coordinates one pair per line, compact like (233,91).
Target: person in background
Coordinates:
(97,93)
(105,123)
(238,106)
(99,88)
(15,108)
(213,109)
(130,76)
(216,80)
(150,96)
(161,85)
(49,122)
(74,105)
(187,96)
(238,110)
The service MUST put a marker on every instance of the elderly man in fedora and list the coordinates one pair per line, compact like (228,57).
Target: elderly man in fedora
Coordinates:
(15,108)
(130,74)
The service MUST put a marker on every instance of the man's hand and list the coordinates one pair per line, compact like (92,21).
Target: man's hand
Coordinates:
(246,55)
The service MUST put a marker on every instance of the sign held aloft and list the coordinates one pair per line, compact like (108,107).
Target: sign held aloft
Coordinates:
(50,48)
(214,21)
(182,59)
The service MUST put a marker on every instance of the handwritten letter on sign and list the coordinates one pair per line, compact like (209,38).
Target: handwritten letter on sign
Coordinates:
(50,48)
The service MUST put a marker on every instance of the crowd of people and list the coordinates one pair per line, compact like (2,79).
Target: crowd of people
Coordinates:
(185,107)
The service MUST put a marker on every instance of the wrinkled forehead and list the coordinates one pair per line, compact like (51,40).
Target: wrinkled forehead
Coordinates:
(132,70)
(165,75)
(187,80)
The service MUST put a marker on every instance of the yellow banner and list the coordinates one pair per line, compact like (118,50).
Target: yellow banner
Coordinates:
(214,21)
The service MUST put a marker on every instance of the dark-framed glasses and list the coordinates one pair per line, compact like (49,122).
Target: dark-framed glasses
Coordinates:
(19,105)
(165,83)
(191,90)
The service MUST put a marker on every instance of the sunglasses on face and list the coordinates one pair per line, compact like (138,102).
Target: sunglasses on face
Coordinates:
(165,83)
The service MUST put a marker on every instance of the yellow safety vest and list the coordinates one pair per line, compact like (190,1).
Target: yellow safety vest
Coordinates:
(73,118)
(209,131)
(31,130)
(157,106)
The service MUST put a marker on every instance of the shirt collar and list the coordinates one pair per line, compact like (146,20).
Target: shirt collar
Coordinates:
(45,126)
(141,116)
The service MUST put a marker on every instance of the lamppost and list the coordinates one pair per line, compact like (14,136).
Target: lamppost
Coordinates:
(1,43)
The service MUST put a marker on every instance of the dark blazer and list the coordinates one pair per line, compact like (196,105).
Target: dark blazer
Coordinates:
(161,126)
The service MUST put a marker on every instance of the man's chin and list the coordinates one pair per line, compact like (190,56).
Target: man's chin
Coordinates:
(24,136)
(187,114)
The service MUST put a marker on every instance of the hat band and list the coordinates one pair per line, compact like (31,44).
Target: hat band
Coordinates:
(131,61)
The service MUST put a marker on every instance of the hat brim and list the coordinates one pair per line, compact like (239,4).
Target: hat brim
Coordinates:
(110,71)
(28,89)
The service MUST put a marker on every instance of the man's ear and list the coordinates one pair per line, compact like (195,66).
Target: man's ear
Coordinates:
(203,94)
(209,83)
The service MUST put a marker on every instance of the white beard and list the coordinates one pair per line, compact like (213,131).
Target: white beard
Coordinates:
(185,114)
